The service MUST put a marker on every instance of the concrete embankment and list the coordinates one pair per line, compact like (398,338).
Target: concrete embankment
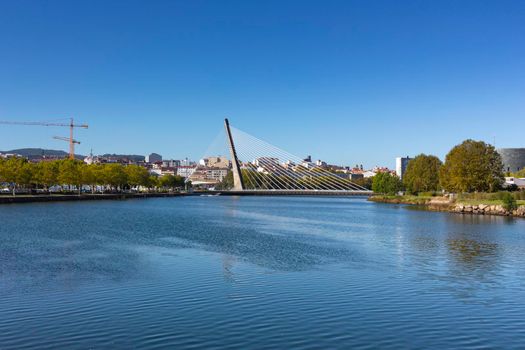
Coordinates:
(448,205)
(5,199)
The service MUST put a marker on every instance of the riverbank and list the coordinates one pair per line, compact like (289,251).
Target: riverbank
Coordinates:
(447,204)
(7,199)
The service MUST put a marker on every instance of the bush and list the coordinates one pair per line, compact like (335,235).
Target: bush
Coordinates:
(519,195)
(509,202)
(427,194)
(386,183)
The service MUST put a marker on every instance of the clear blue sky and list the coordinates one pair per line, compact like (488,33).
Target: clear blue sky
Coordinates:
(346,81)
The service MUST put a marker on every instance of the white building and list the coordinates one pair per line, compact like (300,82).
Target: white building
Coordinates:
(401,165)
(217,174)
(520,182)
(185,170)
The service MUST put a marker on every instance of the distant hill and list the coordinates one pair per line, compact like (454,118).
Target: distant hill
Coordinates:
(32,153)
(133,157)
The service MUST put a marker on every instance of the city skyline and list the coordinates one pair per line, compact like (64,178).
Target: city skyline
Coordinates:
(347,82)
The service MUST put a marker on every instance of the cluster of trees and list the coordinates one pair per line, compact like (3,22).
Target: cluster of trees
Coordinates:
(386,183)
(472,166)
(20,173)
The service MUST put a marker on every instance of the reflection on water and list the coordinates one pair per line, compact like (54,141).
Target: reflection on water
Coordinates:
(472,254)
(277,272)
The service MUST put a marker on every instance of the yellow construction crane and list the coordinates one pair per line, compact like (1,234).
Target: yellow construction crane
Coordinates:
(69,139)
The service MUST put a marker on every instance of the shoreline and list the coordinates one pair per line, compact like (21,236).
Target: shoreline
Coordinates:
(82,197)
(444,204)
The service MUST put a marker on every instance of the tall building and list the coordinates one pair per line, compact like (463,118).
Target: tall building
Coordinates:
(401,165)
(513,159)
(153,158)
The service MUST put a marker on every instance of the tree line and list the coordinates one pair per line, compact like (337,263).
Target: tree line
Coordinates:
(472,166)
(19,173)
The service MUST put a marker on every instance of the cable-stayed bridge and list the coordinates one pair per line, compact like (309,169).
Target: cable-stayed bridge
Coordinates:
(259,168)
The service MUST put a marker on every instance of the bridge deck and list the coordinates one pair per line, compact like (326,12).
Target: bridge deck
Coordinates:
(294,193)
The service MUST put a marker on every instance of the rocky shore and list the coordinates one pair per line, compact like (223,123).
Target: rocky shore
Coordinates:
(449,204)
(485,209)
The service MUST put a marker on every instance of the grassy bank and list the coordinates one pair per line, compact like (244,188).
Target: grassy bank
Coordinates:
(495,198)
(406,199)
(470,203)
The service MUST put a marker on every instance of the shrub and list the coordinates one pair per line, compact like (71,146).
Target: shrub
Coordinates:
(509,203)
(427,194)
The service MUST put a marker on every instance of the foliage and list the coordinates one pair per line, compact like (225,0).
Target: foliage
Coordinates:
(509,202)
(365,182)
(472,166)
(494,196)
(69,172)
(18,172)
(422,174)
(171,181)
(519,174)
(386,183)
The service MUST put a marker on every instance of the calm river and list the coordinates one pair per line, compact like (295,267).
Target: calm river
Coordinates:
(258,273)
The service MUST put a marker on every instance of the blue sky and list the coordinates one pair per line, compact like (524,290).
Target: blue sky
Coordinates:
(345,81)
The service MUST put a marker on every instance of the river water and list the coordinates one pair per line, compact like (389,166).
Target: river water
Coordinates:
(258,273)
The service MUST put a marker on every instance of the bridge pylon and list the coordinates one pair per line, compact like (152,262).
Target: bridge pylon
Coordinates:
(238,184)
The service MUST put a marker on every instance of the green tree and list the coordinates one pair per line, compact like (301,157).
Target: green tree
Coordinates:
(472,166)
(366,182)
(171,181)
(88,176)
(10,171)
(136,175)
(509,202)
(69,173)
(422,174)
(25,173)
(249,179)
(227,182)
(115,176)
(46,174)
(153,182)
(386,183)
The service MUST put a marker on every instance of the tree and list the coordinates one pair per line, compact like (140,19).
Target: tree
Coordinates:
(171,181)
(24,175)
(10,170)
(88,176)
(115,176)
(69,173)
(153,181)
(136,175)
(472,166)
(422,174)
(226,183)
(365,182)
(46,174)
(386,183)
(509,202)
